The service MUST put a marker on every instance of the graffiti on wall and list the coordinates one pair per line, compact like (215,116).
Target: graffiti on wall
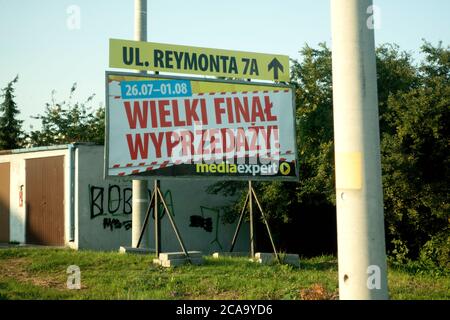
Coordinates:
(206,223)
(114,223)
(114,205)
(118,200)
(201,222)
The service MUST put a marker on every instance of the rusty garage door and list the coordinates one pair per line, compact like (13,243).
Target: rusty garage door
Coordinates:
(45,201)
(4,202)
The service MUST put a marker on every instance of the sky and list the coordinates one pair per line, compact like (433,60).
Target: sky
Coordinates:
(44,44)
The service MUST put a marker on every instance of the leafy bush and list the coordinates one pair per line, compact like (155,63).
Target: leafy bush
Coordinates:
(435,253)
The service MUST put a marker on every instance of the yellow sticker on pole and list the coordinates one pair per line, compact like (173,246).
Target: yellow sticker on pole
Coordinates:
(349,173)
(150,56)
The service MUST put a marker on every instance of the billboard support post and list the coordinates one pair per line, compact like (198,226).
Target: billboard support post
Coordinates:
(252,224)
(172,222)
(238,227)
(157,220)
(154,203)
(266,223)
(144,226)
(251,194)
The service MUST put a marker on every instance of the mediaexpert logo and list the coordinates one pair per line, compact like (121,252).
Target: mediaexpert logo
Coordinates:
(224,167)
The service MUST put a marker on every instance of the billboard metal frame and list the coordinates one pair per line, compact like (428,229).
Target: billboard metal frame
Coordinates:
(199,177)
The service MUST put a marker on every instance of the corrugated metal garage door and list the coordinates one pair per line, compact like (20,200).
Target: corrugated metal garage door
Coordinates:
(45,201)
(4,202)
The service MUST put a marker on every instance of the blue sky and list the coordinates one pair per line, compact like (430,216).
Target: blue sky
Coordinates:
(36,43)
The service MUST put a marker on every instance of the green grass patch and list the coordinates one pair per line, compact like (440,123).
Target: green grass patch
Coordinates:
(40,273)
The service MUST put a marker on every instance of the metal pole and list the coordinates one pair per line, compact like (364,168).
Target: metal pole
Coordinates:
(157,220)
(250,209)
(238,227)
(267,225)
(174,226)
(147,215)
(140,20)
(140,187)
(360,225)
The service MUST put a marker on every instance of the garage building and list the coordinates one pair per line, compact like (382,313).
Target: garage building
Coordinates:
(57,196)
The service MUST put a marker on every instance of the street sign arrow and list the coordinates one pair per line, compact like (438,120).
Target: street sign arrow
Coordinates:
(275,65)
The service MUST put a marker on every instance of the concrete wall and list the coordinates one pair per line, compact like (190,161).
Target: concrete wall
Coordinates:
(104,210)
(17,220)
(102,214)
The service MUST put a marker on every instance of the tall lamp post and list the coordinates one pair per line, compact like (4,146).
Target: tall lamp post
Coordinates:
(359,194)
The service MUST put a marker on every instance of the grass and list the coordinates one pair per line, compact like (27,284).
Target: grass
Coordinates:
(40,273)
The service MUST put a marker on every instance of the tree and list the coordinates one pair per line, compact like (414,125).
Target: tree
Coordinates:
(306,206)
(67,122)
(416,163)
(10,127)
(314,118)
(414,117)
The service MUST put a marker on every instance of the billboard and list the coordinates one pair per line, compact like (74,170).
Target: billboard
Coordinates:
(160,126)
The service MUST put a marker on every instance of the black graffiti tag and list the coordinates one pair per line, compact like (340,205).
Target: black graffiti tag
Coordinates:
(113,224)
(118,204)
(200,222)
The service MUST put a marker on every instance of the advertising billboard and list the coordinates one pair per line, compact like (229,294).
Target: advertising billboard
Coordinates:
(161,126)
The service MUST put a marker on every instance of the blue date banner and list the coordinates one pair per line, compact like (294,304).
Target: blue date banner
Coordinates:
(155,89)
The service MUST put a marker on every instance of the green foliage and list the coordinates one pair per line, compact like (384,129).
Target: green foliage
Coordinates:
(67,122)
(436,252)
(415,158)
(312,80)
(433,259)
(233,190)
(399,253)
(314,115)
(11,134)
(414,102)
(396,73)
